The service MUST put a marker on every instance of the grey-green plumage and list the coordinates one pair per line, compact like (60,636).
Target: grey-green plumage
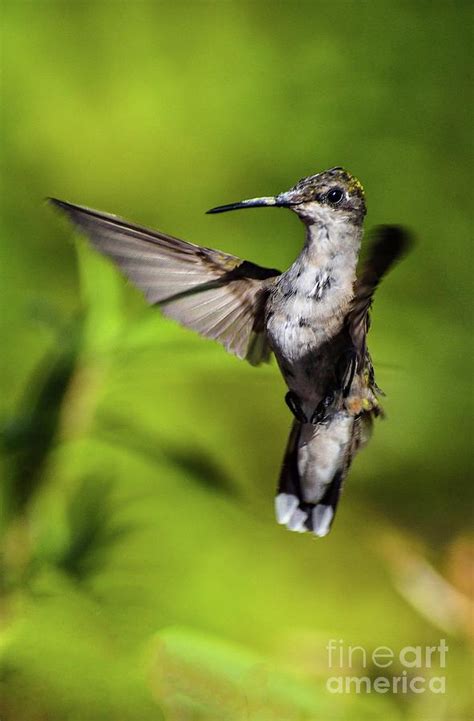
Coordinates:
(313,317)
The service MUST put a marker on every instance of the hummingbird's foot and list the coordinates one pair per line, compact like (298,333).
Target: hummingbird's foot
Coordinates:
(346,371)
(293,403)
(321,413)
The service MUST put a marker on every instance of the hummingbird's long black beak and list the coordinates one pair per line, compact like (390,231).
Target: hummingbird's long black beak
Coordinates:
(252,203)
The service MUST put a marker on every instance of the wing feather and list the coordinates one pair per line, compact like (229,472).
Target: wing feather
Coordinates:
(217,294)
(389,244)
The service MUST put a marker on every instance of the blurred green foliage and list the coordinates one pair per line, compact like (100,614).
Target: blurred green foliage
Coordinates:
(142,574)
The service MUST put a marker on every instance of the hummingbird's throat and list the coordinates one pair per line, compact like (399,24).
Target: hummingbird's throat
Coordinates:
(332,251)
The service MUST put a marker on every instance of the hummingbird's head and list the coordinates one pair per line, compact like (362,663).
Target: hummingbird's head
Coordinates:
(331,196)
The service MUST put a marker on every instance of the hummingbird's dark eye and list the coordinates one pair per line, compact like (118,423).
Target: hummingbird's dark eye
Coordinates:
(334,196)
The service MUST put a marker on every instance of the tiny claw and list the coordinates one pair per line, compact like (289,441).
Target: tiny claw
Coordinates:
(319,415)
(346,371)
(293,403)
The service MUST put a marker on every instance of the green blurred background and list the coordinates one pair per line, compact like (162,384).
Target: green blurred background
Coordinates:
(142,573)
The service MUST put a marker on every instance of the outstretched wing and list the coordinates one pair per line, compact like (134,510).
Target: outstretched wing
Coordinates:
(389,244)
(218,295)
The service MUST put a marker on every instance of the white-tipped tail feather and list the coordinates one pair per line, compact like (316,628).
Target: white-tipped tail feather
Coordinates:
(322,519)
(289,514)
(285,505)
(315,464)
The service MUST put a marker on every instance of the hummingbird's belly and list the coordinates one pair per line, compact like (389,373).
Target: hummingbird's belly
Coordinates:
(305,351)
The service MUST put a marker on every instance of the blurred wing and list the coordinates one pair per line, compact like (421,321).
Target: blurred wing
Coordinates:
(389,244)
(218,295)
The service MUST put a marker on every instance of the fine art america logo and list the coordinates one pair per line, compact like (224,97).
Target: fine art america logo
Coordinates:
(409,670)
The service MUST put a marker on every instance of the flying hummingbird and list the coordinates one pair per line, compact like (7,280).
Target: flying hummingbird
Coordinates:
(314,318)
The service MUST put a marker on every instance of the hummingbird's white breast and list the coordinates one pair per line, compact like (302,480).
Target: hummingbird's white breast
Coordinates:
(307,310)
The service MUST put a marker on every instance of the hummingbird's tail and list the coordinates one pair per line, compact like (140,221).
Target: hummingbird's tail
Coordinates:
(316,462)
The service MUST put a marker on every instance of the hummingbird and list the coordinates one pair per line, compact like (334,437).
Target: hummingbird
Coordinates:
(314,318)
